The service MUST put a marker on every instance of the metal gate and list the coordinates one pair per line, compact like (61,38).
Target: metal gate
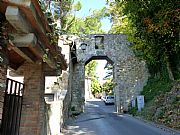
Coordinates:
(12,108)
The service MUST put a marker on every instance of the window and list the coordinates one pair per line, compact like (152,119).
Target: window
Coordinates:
(49,97)
(99,42)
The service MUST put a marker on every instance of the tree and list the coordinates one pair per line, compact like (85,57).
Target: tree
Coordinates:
(95,86)
(88,25)
(61,17)
(120,21)
(154,30)
(57,13)
(90,69)
(109,71)
(108,86)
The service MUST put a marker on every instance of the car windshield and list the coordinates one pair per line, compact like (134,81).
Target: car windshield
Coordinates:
(110,97)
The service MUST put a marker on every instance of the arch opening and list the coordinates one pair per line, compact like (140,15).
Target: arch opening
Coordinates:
(99,84)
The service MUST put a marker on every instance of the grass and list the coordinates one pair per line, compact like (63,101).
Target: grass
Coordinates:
(155,87)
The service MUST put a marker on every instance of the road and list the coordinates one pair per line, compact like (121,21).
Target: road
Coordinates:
(100,119)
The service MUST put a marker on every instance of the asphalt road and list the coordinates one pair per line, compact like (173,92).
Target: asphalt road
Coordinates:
(99,119)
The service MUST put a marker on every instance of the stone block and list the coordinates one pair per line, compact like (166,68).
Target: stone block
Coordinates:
(17,20)
(25,40)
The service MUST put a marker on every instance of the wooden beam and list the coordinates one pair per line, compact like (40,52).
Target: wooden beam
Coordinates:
(30,42)
(24,40)
(14,12)
(35,8)
(18,51)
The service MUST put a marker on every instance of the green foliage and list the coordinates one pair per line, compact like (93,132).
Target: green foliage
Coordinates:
(133,111)
(120,21)
(109,71)
(162,101)
(175,60)
(57,13)
(4,37)
(3,31)
(95,86)
(88,25)
(62,19)
(155,87)
(108,86)
(77,6)
(153,28)
(90,69)
(162,108)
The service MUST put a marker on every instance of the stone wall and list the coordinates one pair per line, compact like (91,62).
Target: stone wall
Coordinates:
(130,73)
(3,71)
(78,92)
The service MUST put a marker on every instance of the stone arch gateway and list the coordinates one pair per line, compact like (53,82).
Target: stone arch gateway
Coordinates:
(130,73)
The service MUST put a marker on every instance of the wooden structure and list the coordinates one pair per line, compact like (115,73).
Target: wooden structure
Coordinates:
(28,28)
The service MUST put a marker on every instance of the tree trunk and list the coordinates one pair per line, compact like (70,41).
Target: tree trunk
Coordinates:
(168,65)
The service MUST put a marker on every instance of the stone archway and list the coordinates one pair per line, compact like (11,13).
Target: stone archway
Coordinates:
(130,74)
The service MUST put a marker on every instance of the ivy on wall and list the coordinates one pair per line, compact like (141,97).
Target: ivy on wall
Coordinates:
(3,40)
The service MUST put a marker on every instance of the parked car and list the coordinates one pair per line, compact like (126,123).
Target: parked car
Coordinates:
(109,99)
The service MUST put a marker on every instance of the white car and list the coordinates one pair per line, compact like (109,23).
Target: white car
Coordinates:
(109,99)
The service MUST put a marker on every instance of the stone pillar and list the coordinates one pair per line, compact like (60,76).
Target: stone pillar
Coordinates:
(78,89)
(3,69)
(118,90)
(3,72)
(3,77)
(33,113)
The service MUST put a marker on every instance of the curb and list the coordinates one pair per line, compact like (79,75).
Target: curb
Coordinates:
(162,127)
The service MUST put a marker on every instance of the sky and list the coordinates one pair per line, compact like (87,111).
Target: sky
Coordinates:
(90,5)
(87,6)
(101,73)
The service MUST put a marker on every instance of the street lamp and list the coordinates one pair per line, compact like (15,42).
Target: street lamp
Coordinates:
(83,46)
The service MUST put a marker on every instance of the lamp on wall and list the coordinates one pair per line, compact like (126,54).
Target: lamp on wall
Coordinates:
(83,46)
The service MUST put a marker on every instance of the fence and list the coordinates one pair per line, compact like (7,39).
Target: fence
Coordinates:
(12,108)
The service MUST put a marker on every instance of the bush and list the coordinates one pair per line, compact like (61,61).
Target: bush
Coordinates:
(155,87)
(133,111)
